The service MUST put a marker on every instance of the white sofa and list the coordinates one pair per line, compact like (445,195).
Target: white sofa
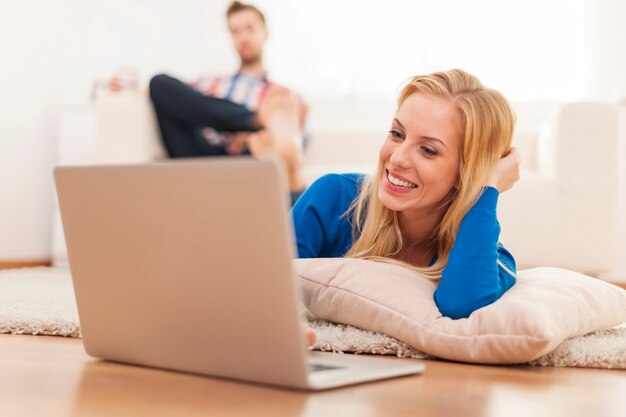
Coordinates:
(562,212)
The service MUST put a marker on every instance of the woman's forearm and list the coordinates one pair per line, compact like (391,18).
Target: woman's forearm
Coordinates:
(473,277)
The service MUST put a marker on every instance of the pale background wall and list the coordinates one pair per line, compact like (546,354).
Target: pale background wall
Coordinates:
(53,52)
(605,79)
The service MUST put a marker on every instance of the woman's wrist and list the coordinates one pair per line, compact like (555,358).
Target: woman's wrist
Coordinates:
(493,183)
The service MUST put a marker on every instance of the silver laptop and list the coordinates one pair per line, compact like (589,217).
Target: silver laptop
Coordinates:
(187,266)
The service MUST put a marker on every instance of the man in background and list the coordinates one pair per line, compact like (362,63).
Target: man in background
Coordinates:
(239,114)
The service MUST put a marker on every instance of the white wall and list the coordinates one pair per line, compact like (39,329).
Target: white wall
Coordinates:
(605,49)
(606,80)
(26,126)
(53,52)
(527,49)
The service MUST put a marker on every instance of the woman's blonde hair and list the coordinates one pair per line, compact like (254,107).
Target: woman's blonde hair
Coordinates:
(487,123)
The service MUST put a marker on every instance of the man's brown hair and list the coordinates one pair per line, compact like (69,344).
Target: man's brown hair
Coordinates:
(237,6)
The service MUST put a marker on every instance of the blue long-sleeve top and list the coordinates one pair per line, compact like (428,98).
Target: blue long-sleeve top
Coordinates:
(479,269)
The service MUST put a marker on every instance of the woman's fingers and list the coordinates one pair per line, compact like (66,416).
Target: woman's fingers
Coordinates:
(309,335)
(506,171)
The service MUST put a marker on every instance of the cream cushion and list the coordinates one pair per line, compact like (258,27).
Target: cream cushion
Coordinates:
(544,307)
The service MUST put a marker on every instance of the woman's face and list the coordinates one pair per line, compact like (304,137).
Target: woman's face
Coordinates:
(419,161)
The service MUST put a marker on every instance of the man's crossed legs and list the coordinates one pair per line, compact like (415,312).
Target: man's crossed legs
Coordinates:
(274,130)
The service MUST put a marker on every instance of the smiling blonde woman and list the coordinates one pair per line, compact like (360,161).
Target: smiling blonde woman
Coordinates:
(431,205)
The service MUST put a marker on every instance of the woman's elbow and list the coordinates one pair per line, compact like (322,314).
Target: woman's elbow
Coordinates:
(456,308)
(454,311)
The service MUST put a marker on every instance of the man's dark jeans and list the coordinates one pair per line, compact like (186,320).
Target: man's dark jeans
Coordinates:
(183,112)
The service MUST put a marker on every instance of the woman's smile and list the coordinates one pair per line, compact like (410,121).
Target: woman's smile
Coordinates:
(398,183)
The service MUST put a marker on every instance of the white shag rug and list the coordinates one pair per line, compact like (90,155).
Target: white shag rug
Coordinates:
(40,301)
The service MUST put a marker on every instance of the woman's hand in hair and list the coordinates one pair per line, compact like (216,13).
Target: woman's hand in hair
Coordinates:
(506,171)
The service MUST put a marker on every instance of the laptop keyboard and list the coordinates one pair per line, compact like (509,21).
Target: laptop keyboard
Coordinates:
(316,367)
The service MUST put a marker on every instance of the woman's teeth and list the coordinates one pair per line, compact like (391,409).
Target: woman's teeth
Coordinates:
(399,182)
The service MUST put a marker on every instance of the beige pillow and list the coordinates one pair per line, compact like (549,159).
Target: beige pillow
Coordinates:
(546,306)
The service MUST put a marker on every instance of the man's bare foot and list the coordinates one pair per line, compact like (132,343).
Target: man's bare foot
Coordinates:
(281,114)
(262,144)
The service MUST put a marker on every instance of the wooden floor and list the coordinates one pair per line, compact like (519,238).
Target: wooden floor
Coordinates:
(24,264)
(52,376)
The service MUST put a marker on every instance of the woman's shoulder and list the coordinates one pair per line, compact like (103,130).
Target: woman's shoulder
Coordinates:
(340,180)
(335,191)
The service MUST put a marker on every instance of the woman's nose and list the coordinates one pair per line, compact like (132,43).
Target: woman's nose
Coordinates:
(400,156)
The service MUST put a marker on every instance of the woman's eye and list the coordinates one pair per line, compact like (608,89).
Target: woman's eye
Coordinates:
(428,151)
(396,134)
